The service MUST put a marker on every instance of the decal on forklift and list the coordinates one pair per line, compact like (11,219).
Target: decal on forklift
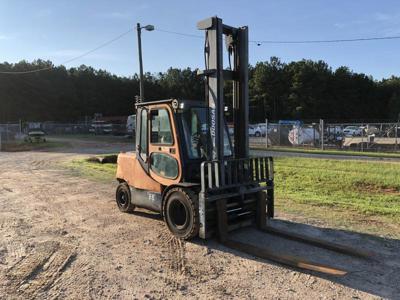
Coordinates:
(152,197)
(212,132)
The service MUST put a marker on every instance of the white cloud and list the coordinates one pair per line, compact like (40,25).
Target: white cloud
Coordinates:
(115,15)
(340,25)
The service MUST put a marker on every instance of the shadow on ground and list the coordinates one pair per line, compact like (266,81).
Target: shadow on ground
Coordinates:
(379,275)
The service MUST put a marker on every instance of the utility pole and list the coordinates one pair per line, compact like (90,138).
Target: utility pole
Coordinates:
(139,36)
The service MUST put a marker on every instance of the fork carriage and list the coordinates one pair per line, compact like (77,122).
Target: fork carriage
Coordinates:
(246,186)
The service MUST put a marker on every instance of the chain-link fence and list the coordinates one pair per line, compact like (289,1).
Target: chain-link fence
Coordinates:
(19,131)
(9,131)
(282,134)
(322,135)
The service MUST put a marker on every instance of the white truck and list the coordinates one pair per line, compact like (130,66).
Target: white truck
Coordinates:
(131,124)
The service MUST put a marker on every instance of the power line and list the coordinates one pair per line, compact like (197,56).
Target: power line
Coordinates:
(100,46)
(257,42)
(326,41)
(74,58)
(180,33)
(260,42)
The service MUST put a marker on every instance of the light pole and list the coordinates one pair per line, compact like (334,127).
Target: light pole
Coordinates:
(139,36)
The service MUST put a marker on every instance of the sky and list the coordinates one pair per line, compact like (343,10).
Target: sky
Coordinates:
(63,29)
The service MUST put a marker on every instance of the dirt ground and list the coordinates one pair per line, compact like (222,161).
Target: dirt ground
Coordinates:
(62,236)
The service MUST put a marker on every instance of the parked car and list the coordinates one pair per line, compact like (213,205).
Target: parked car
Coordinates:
(254,130)
(101,127)
(36,136)
(352,131)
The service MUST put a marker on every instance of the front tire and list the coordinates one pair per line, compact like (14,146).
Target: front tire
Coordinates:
(123,198)
(181,213)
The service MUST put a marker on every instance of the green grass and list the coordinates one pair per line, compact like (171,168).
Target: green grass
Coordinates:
(365,187)
(95,171)
(328,151)
(357,195)
(354,195)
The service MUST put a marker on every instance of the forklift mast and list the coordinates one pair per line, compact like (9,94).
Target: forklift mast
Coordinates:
(235,182)
(237,45)
(180,137)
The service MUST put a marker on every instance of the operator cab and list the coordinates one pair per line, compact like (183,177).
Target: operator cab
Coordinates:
(193,120)
(173,138)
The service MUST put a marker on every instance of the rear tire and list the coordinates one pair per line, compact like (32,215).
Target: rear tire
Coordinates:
(123,198)
(181,213)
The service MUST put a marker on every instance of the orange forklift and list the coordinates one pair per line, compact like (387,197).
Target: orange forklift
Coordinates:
(188,168)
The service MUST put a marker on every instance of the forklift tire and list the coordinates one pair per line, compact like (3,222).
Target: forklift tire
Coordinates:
(181,213)
(123,198)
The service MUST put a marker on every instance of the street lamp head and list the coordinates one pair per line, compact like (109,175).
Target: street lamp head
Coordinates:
(149,27)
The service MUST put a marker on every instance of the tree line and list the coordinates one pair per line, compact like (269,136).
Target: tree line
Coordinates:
(306,89)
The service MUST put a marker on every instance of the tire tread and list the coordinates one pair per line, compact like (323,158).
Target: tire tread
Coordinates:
(194,207)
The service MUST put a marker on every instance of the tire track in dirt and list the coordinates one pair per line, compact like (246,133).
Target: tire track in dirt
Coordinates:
(175,264)
(179,272)
(12,252)
(38,165)
(36,272)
